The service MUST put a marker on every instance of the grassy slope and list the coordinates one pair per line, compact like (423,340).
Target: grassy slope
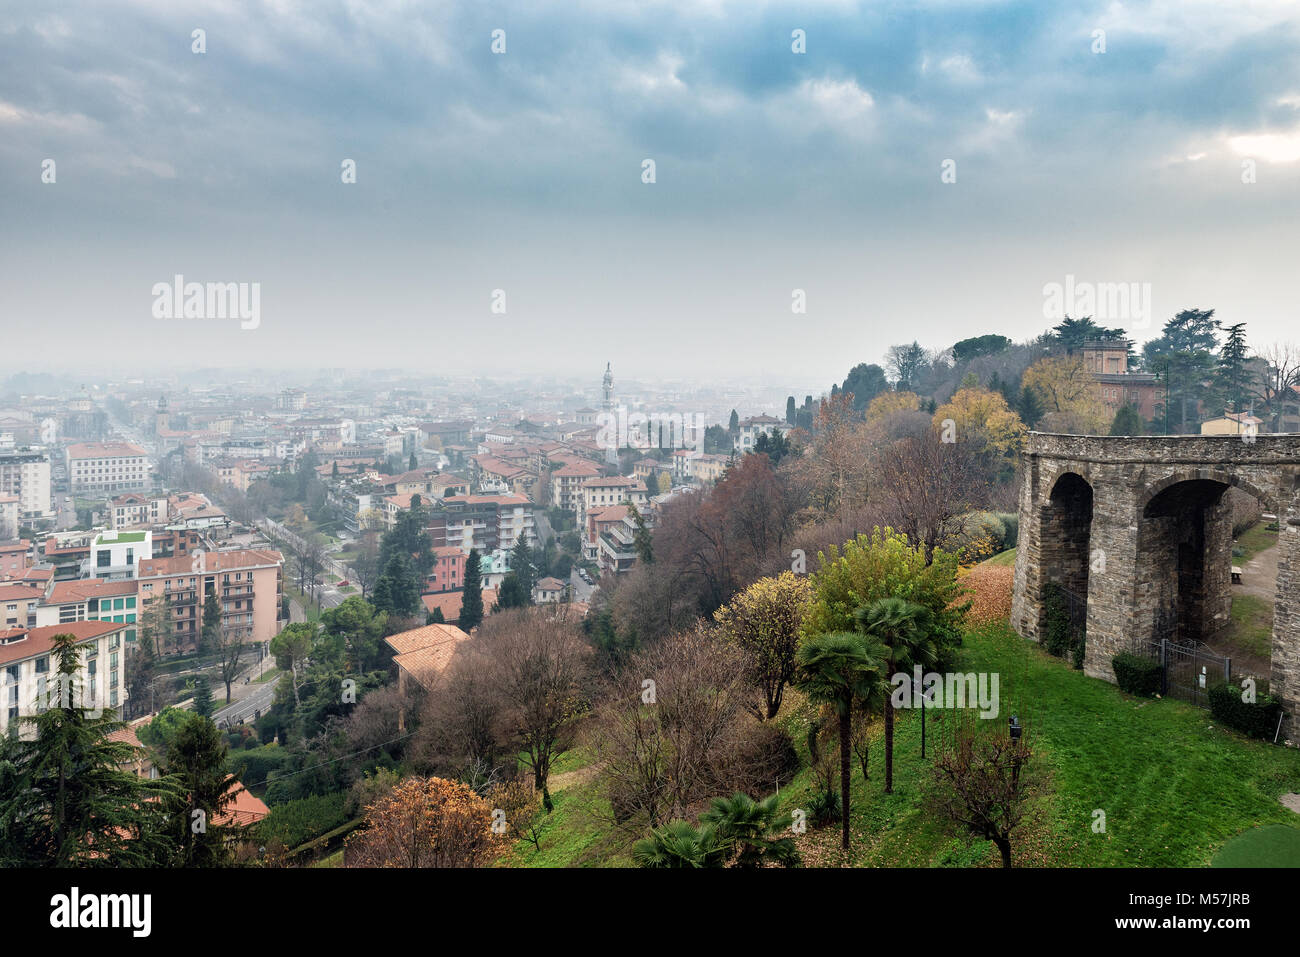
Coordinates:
(1174,785)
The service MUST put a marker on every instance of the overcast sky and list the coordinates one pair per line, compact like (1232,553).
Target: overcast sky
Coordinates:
(522,171)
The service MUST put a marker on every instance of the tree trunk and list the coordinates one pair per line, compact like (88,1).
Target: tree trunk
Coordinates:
(1004,845)
(846,730)
(889,745)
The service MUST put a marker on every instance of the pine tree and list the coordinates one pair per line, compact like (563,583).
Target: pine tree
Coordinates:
(790,411)
(521,562)
(202,696)
(211,623)
(1127,421)
(64,799)
(1230,377)
(196,759)
(733,424)
(1029,407)
(471,608)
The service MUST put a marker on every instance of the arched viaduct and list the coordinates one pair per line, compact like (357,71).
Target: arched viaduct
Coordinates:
(1142,527)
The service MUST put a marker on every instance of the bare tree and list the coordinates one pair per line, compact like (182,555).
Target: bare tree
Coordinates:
(668,726)
(984,781)
(540,666)
(1274,381)
(924,485)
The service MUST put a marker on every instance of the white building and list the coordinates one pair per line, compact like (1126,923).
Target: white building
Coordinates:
(9,511)
(100,467)
(28,682)
(750,429)
(115,555)
(25,473)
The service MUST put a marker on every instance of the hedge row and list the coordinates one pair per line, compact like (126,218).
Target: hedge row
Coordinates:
(1256,718)
(1136,674)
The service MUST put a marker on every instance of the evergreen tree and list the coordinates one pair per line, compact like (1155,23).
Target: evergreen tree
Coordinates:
(521,562)
(1029,407)
(203,696)
(1127,421)
(436,617)
(642,538)
(512,594)
(211,628)
(64,799)
(413,464)
(471,608)
(196,760)
(334,470)
(733,424)
(1230,377)
(790,410)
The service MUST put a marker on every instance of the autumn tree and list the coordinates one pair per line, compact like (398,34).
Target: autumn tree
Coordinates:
(925,485)
(1068,394)
(425,822)
(292,648)
(764,621)
(984,421)
(891,403)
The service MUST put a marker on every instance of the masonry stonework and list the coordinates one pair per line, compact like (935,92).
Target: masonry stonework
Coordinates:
(1142,528)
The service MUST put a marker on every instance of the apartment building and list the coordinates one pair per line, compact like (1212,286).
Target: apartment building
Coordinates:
(134,510)
(248,584)
(15,558)
(604,492)
(566,483)
(30,669)
(1107,360)
(485,522)
(448,572)
(18,603)
(117,555)
(102,467)
(91,600)
(25,474)
(9,516)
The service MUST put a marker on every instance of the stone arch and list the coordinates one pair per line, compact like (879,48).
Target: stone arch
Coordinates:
(1066,539)
(1269,497)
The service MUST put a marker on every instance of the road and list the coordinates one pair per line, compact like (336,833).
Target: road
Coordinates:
(579,589)
(330,597)
(248,708)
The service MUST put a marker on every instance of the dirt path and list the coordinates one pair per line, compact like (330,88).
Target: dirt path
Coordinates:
(1259,575)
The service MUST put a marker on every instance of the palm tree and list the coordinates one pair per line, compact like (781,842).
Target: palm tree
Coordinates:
(748,828)
(841,668)
(680,844)
(903,627)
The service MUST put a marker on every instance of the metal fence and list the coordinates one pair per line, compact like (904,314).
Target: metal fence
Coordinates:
(1187,671)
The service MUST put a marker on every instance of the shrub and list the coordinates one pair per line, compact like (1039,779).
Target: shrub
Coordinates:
(1011,525)
(1136,674)
(764,757)
(824,808)
(1257,718)
(257,763)
(1057,612)
(1079,649)
(297,822)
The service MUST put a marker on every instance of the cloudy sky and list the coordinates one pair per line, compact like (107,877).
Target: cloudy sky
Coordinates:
(522,171)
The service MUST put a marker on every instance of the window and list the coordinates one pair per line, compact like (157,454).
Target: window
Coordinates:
(43,665)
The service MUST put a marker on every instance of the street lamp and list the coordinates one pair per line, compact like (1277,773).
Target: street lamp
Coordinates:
(1015,728)
(918,691)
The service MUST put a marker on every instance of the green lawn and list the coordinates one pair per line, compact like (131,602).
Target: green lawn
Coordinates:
(1174,786)
(1253,541)
(1252,625)
(1003,558)
(1274,845)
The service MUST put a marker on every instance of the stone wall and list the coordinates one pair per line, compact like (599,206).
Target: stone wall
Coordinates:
(1158,552)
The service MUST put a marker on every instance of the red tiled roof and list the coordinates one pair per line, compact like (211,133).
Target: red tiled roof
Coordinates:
(75,591)
(450,602)
(102,450)
(38,641)
(212,562)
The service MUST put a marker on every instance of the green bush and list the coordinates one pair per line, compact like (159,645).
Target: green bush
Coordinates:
(1257,718)
(297,822)
(824,808)
(1136,674)
(1011,525)
(1057,612)
(257,763)
(1079,649)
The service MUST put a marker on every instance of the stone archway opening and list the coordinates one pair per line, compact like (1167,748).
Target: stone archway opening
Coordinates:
(1067,539)
(1191,575)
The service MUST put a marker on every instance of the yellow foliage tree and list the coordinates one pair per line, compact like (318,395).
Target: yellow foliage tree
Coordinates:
(891,403)
(765,621)
(983,418)
(1068,393)
(426,822)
